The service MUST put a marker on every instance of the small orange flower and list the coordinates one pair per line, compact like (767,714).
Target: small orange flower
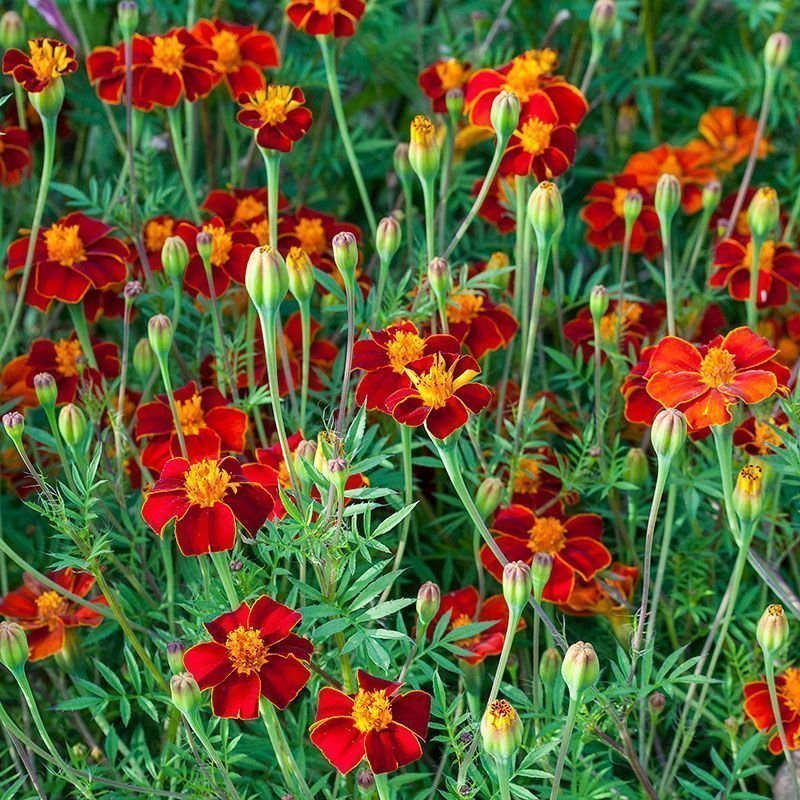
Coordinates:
(758,707)
(49,61)
(727,138)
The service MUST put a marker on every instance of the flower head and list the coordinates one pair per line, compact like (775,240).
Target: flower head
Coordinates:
(758,707)
(277,114)
(48,61)
(323,17)
(440,77)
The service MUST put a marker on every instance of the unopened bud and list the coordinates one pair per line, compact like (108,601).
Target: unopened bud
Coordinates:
(501,730)
(387,238)
(488,496)
(175,651)
(339,470)
(159,334)
(439,277)
(185,692)
(764,212)
(49,101)
(365,780)
(668,197)
(175,257)
(748,496)
(345,254)
(402,165)
(46,389)
(454,101)
(636,469)
(632,206)
(12,30)
(550,666)
(598,303)
(776,51)
(545,210)
(772,630)
(127,17)
(580,669)
(517,585)
(712,194)
(428,600)
(656,702)
(144,359)
(301,274)
(602,19)
(303,456)
(132,290)
(14,423)
(205,247)
(541,567)
(504,114)
(71,424)
(668,433)
(13,645)
(266,279)
(423,150)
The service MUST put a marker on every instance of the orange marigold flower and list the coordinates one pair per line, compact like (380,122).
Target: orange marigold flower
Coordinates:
(479,324)
(442,76)
(14,387)
(727,138)
(49,60)
(758,707)
(15,154)
(323,17)
(277,114)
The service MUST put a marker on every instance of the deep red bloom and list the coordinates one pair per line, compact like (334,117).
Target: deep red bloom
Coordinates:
(759,437)
(206,497)
(640,408)
(573,542)
(253,654)
(478,323)
(70,257)
(46,615)
(378,724)
(313,231)
(242,53)
(154,233)
(322,17)
(534,486)
(244,209)
(277,114)
(270,471)
(64,360)
(49,60)
(204,415)
(498,207)
(442,76)
(758,707)
(704,381)
(604,214)
(15,155)
(107,303)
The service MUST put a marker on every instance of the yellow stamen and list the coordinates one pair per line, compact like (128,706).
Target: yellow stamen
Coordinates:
(765,256)
(528,476)
(248,208)
(790,691)
(50,605)
(311,234)
(423,132)
(372,711)
(535,136)
(464,307)
(246,650)
(717,368)
(48,61)
(168,54)
(273,104)
(404,348)
(437,385)
(206,484)
(451,74)
(68,351)
(459,622)
(64,244)
(156,233)
(190,415)
(327,6)
(221,244)
(229,57)
(501,715)
(527,70)
(548,535)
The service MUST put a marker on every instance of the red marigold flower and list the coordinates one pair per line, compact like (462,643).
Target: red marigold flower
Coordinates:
(778,269)
(385,356)
(692,172)
(605,216)
(244,209)
(270,471)
(478,323)
(758,707)
(704,381)
(464,608)
(14,387)
(206,419)
(242,53)
(154,233)
(66,362)
(15,154)
(253,654)
(70,257)
(534,486)
(378,723)
(573,542)
(759,437)
(313,231)
(107,303)
(322,354)
(46,615)
(442,76)
(206,497)
(322,17)
(49,61)
(640,408)
(278,114)
(498,207)
(727,138)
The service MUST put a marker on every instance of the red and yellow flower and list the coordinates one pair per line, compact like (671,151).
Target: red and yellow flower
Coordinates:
(324,17)
(760,437)
(244,209)
(49,60)
(313,231)
(14,387)
(758,707)
(498,207)
(442,76)
(479,324)
(378,724)
(727,138)
(277,114)
(534,486)
(15,155)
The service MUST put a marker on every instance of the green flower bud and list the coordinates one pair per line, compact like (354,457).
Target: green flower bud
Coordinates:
(517,585)
(338,470)
(329,445)
(580,669)
(668,197)
(712,193)
(428,600)
(656,702)
(345,254)
(12,30)
(204,242)
(550,666)
(266,279)
(489,495)
(501,730)
(632,206)
(402,165)
(46,389)
(637,469)
(304,454)
(71,424)
(439,278)
(668,432)
(49,101)
(175,651)
(423,150)
(301,274)
(144,359)
(454,102)
(13,646)
(772,630)
(504,114)
(185,692)
(776,51)
(748,496)
(387,238)
(175,257)
(127,17)
(545,209)
(14,423)
(159,334)
(764,212)
(598,302)
(602,19)
(541,567)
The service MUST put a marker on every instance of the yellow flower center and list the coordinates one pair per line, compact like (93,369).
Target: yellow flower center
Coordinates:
(717,368)
(273,104)
(459,622)
(372,711)
(206,483)
(64,244)
(246,650)
(790,691)
(403,349)
(423,132)
(48,61)
(631,314)
(765,437)
(327,6)
(437,385)
(451,74)
(618,203)
(750,479)
(464,307)
(535,136)
(221,244)
(50,605)
(501,715)
(168,54)
(527,70)
(156,232)
(248,208)
(765,257)
(229,59)
(260,230)
(311,234)
(68,351)
(528,476)
(548,535)
(190,415)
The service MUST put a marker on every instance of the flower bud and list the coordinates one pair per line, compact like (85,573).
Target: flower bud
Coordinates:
(517,585)
(545,209)
(175,651)
(764,212)
(144,359)
(13,645)
(127,17)
(632,206)
(636,469)
(501,730)
(454,101)
(541,567)
(266,279)
(712,193)
(345,254)
(550,666)
(329,445)
(598,302)
(602,19)
(504,114)
(46,389)
(159,334)
(428,600)
(748,496)
(423,150)
(387,238)
(776,51)
(49,101)
(12,30)
(668,433)
(580,669)
(304,455)
(772,630)
(14,423)
(132,290)
(175,257)
(71,424)
(339,470)
(488,496)
(668,197)
(402,166)
(301,274)
(185,692)
(656,702)
(365,780)
(439,278)
(204,242)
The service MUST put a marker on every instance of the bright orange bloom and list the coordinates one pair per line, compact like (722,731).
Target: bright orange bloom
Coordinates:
(322,17)
(727,138)
(49,61)
(758,707)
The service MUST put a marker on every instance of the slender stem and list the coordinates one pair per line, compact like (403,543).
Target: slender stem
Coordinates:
(349,290)
(451,123)
(174,119)
(222,566)
(752,298)
(572,713)
(19,99)
(78,317)
(598,401)
(591,68)
(623,275)
(283,753)
(428,199)
(164,367)
(194,723)
(666,238)
(305,328)
(221,357)
(169,573)
(788,231)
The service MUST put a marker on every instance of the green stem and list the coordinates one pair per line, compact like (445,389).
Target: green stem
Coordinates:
(194,723)
(221,564)
(503,772)
(349,289)
(164,367)
(572,713)
(752,298)
(666,238)
(283,753)
(382,785)
(169,572)
(305,328)
(174,119)
(428,198)
(78,317)
(623,275)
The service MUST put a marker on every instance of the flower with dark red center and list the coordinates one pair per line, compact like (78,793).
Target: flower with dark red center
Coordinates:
(242,53)
(442,76)
(206,497)
(204,414)
(47,615)
(778,270)
(244,209)
(385,356)
(478,323)
(758,707)
(692,172)
(15,155)
(66,362)
(277,114)
(70,257)
(760,437)
(323,17)
(253,654)
(727,138)
(378,723)
(498,207)
(604,213)
(49,60)
(704,381)
(573,542)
